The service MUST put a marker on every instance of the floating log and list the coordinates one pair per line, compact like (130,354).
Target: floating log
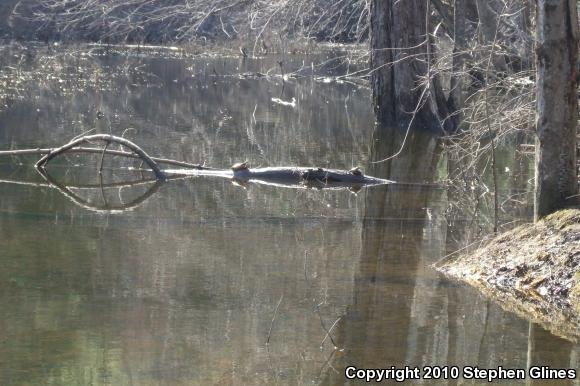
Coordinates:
(292,177)
(299,177)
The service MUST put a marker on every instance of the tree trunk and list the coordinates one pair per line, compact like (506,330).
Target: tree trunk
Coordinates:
(557,105)
(460,46)
(400,57)
(488,25)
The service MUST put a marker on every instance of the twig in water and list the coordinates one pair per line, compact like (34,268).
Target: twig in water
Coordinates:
(99,151)
(274,318)
(445,258)
(254,113)
(107,139)
(328,332)
(102,157)
(419,105)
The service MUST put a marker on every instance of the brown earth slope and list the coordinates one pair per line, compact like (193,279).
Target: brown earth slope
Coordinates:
(532,270)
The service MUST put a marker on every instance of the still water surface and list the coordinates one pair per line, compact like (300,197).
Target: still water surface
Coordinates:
(206,282)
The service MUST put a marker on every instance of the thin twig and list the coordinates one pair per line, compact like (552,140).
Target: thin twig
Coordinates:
(274,318)
(102,157)
(493,158)
(419,105)
(44,151)
(328,332)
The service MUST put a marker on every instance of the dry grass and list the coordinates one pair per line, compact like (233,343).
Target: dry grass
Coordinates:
(533,270)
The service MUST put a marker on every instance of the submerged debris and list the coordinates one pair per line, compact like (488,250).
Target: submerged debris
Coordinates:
(533,270)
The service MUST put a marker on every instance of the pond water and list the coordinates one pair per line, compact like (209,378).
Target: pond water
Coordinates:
(207,282)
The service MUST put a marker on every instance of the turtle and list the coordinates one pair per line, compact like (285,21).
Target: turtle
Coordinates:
(240,166)
(355,171)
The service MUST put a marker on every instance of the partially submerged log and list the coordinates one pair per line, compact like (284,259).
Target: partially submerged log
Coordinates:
(318,177)
(240,173)
(292,177)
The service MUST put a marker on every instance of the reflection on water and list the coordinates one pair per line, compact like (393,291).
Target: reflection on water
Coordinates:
(189,286)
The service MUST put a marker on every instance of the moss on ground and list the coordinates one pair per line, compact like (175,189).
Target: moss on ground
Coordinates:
(532,270)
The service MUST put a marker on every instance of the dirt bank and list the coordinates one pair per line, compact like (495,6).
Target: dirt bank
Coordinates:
(532,270)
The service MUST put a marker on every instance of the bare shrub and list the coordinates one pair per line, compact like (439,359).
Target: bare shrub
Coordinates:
(162,21)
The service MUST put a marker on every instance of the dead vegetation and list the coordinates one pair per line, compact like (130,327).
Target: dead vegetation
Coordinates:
(265,23)
(533,270)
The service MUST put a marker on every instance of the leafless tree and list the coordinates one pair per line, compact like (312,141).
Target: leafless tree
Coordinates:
(187,20)
(557,106)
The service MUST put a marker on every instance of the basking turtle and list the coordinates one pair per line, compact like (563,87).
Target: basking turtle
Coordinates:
(355,171)
(240,166)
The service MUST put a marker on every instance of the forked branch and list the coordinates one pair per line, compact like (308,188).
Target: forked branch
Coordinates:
(107,139)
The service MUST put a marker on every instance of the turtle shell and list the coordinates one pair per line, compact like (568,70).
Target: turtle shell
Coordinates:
(356,171)
(240,166)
